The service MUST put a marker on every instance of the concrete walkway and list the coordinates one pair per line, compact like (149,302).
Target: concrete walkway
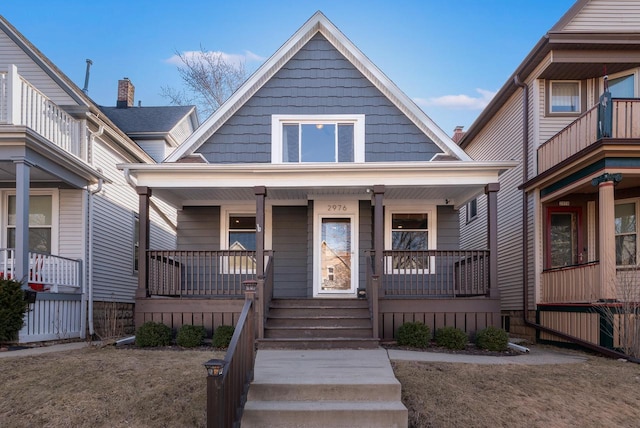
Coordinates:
(39,350)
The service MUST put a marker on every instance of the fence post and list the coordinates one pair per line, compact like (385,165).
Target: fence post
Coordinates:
(215,393)
(250,290)
(375,292)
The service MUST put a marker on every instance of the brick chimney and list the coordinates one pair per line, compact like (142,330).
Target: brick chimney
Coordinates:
(458,133)
(125,93)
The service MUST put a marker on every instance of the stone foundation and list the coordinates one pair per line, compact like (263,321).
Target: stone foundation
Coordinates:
(113,319)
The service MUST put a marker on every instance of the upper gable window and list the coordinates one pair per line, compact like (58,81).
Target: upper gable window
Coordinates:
(565,97)
(317,138)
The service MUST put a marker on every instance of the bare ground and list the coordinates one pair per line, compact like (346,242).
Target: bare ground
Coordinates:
(166,388)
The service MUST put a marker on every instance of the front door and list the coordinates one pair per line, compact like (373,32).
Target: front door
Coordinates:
(335,249)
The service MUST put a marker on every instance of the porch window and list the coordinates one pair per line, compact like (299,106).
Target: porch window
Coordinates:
(410,234)
(623,86)
(317,139)
(564,97)
(564,236)
(40,223)
(242,237)
(472,210)
(626,234)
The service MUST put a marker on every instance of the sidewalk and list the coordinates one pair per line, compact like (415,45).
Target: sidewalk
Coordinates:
(39,350)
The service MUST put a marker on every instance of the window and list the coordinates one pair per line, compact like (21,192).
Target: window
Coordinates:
(136,241)
(410,233)
(472,210)
(626,234)
(241,234)
(317,139)
(564,236)
(40,223)
(623,86)
(564,97)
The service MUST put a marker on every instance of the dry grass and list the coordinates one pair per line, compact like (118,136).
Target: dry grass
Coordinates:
(598,393)
(166,388)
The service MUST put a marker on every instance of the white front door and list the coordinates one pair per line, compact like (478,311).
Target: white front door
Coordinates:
(335,249)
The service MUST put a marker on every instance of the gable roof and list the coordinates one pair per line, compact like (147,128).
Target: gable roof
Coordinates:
(318,23)
(564,35)
(147,119)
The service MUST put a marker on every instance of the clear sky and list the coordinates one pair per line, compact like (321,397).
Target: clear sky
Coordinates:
(449,56)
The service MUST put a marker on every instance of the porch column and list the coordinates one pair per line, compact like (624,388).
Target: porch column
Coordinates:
(378,228)
(491,190)
(144,193)
(607,240)
(23,177)
(261,193)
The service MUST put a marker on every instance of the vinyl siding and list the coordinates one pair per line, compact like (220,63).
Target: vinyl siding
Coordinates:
(10,53)
(156,149)
(365,229)
(290,252)
(318,80)
(199,228)
(448,232)
(607,15)
(182,131)
(71,224)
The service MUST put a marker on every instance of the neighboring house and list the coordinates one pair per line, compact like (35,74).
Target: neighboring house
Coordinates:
(577,201)
(68,217)
(315,175)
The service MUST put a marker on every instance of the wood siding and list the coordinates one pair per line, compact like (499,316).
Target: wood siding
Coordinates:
(199,228)
(606,15)
(290,250)
(318,80)
(10,53)
(583,325)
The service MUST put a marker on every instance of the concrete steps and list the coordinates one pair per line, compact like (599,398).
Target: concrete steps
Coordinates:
(327,388)
(318,324)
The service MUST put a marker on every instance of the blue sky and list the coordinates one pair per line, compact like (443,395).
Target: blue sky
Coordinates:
(450,56)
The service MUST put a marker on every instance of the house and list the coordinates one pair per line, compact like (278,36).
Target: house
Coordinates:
(68,216)
(567,226)
(322,181)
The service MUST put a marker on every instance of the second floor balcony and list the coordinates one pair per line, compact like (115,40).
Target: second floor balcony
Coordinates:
(22,104)
(622,122)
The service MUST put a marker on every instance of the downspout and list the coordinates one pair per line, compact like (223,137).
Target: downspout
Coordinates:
(525,247)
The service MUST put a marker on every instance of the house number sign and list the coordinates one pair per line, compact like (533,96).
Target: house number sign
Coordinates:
(337,208)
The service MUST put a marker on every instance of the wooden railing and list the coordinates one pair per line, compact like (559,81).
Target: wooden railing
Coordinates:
(573,284)
(21,103)
(373,295)
(199,273)
(437,273)
(228,380)
(583,132)
(265,295)
(46,272)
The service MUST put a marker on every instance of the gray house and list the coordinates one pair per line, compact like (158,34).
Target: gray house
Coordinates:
(327,185)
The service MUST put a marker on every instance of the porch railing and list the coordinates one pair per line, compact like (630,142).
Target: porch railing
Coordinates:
(437,273)
(265,293)
(573,284)
(228,380)
(199,273)
(46,272)
(583,132)
(373,291)
(21,103)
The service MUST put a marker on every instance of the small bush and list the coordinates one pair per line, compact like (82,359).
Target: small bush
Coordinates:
(451,338)
(414,334)
(190,336)
(222,336)
(153,334)
(12,309)
(493,339)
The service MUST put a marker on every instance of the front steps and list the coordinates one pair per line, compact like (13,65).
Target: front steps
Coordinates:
(318,324)
(324,388)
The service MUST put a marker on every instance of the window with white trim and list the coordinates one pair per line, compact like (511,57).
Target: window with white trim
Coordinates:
(410,233)
(565,96)
(626,214)
(40,223)
(317,139)
(241,242)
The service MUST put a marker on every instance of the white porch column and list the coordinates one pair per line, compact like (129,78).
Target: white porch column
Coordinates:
(23,174)
(607,235)
(13,96)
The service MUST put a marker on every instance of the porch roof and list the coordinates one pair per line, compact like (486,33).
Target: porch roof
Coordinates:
(452,182)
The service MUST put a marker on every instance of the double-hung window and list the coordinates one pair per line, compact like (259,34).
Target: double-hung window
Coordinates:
(40,223)
(317,139)
(626,233)
(565,96)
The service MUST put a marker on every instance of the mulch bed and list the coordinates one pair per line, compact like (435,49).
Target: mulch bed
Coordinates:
(471,349)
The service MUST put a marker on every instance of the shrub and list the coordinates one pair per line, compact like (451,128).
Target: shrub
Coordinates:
(190,336)
(153,334)
(222,336)
(414,334)
(12,309)
(493,339)
(451,338)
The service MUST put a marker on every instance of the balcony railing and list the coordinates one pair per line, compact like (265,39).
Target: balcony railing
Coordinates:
(46,272)
(21,103)
(199,273)
(583,132)
(572,284)
(435,273)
